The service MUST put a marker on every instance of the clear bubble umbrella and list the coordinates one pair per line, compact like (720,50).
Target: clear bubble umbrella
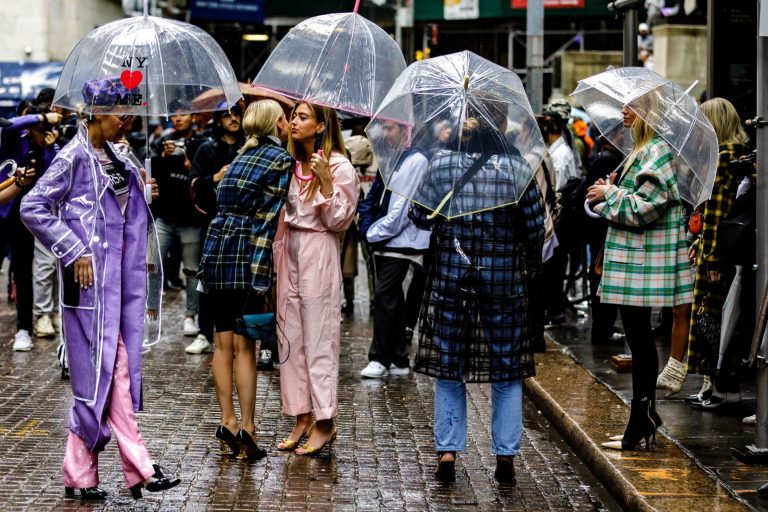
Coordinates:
(342,61)
(155,65)
(668,109)
(463,112)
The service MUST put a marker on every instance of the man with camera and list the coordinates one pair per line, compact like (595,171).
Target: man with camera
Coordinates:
(30,141)
(176,217)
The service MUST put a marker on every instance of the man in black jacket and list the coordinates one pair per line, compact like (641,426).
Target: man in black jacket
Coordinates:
(175,213)
(208,168)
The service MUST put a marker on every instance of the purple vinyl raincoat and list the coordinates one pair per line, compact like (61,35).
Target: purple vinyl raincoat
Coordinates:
(73,211)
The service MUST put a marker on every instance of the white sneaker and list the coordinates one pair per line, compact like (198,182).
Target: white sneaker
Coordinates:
(22,342)
(43,328)
(398,370)
(190,327)
(374,370)
(200,345)
(750,420)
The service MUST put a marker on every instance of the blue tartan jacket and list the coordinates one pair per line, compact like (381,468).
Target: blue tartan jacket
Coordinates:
(237,252)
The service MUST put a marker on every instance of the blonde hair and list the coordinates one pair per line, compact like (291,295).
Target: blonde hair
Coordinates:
(642,132)
(260,119)
(332,139)
(725,120)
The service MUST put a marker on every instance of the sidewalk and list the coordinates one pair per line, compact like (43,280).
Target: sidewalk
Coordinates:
(691,468)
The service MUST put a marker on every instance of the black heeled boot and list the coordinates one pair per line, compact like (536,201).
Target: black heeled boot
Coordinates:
(249,450)
(159,482)
(228,440)
(640,427)
(655,418)
(87,493)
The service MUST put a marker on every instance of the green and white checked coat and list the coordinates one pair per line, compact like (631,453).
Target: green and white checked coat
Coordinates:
(645,262)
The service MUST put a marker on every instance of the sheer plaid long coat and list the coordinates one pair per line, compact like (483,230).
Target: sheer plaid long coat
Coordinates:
(473,321)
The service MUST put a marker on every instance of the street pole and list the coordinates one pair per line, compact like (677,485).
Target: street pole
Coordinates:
(758,452)
(630,37)
(534,54)
(629,8)
(761,138)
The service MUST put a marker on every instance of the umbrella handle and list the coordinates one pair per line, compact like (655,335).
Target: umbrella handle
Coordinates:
(440,206)
(7,183)
(590,212)
(357,6)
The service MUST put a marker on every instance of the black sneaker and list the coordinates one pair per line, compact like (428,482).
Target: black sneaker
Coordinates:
(265,362)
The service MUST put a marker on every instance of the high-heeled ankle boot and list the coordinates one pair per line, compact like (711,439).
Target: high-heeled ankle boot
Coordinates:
(158,482)
(671,377)
(640,427)
(655,418)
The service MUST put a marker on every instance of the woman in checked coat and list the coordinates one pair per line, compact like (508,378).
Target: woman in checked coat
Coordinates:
(236,265)
(474,317)
(645,261)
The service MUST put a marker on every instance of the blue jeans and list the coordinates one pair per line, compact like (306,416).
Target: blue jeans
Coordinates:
(451,416)
(189,236)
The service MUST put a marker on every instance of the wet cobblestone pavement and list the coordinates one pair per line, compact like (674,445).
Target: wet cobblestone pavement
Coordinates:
(383,458)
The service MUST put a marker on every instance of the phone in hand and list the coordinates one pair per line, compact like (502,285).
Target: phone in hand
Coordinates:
(28,163)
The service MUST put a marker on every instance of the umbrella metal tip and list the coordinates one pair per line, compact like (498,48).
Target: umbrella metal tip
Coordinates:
(466,82)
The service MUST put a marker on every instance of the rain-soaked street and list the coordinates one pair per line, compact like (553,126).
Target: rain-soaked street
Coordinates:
(383,458)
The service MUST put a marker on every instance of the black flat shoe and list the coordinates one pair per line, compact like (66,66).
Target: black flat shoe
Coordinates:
(505,470)
(228,440)
(446,469)
(87,493)
(159,482)
(249,450)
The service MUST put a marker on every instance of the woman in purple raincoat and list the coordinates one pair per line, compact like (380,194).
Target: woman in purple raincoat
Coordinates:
(89,211)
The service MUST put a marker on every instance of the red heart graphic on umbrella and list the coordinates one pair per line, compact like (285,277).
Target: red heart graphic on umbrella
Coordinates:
(131,79)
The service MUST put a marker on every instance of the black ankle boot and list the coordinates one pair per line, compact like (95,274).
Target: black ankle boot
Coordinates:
(87,493)
(159,482)
(655,418)
(640,427)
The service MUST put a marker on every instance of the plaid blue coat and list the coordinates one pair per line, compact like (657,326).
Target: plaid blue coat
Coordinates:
(473,324)
(237,252)
(645,262)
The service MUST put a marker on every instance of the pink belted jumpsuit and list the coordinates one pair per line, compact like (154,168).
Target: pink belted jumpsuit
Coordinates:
(306,254)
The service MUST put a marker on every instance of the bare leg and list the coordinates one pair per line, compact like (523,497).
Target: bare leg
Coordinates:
(245,380)
(223,358)
(324,430)
(681,323)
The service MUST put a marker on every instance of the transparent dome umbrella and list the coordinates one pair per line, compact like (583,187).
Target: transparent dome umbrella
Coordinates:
(161,65)
(459,110)
(342,61)
(668,109)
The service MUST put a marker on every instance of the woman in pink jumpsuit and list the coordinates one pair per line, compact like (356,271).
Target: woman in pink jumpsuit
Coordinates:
(322,200)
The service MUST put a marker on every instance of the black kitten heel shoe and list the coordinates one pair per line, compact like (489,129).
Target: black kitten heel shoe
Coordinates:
(159,482)
(87,493)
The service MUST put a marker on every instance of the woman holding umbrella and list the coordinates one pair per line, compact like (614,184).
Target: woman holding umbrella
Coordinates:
(322,201)
(89,211)
(474,325)
(645,256)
